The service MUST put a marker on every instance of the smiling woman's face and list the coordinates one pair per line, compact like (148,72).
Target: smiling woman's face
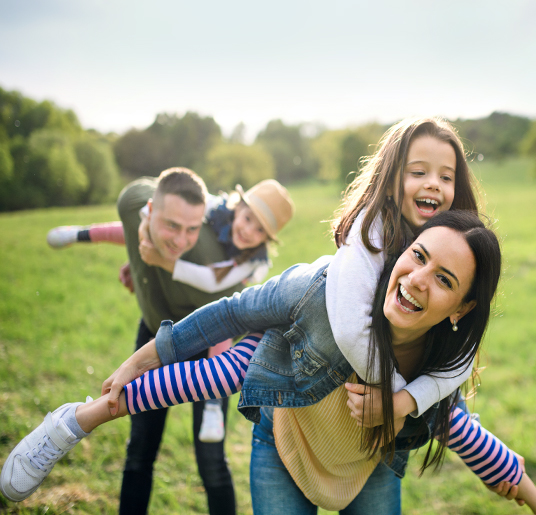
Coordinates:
(429,283)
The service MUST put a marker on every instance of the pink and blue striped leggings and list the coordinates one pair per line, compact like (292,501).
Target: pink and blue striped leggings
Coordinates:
(223,375)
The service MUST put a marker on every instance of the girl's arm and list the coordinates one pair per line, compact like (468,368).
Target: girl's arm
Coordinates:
(352,280)
(203,277)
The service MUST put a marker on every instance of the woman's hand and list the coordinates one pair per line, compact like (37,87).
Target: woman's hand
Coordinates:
(142,360)
(365,404)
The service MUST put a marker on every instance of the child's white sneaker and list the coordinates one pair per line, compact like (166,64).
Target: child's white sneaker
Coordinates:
(63,236)
(34,457)
(212,427)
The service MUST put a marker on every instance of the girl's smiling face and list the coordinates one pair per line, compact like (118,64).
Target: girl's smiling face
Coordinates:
(429,180)
(247,231)
(429,283)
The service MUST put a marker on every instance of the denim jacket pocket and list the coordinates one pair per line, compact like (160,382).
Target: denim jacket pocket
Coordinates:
(305,362)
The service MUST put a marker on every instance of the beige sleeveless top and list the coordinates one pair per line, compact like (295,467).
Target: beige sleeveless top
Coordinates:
(320,447)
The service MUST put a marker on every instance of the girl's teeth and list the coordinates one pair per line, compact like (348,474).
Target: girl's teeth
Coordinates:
(409,298)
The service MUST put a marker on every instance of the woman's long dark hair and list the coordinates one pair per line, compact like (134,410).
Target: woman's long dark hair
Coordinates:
(445,350)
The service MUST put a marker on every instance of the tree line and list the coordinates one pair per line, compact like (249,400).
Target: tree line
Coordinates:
(48,159)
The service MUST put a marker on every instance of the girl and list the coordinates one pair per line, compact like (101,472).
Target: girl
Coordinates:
(452,270)
(245,223)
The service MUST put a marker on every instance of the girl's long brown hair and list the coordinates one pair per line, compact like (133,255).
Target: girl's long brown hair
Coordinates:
(384,171)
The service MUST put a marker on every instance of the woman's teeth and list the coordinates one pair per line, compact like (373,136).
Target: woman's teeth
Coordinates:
(405,295)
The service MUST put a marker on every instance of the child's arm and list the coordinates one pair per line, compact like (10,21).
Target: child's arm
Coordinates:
(152,257)
(352,279)
(203,277)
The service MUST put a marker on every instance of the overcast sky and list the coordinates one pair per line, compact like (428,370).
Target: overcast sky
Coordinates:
(118,63)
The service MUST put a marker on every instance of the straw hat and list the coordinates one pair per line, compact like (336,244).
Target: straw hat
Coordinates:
(270,203)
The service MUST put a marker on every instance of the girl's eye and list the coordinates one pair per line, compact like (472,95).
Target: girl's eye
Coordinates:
(417,173)
(445,280)
(447,178)
(419,255)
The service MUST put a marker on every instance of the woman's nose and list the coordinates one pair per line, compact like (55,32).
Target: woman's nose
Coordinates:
(417,279)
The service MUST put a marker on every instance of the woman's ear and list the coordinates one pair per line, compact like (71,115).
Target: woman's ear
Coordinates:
(465,308)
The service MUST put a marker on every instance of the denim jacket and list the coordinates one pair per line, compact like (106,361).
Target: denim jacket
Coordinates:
(297,362)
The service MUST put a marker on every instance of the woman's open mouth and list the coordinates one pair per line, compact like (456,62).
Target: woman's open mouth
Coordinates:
(407,302)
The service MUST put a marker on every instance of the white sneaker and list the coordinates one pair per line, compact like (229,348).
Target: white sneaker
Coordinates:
(63,236)
(212,428)
(34,457)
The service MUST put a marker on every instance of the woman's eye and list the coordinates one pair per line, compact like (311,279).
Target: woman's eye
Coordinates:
(445,280)
(419,255)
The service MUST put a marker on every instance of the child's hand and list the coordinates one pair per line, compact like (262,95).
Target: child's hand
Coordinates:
(149,254)
(365,404)
(143,231)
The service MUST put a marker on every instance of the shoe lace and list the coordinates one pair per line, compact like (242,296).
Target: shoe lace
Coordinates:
(46,453)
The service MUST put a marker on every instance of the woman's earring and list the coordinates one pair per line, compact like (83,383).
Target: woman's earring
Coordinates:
(454,326)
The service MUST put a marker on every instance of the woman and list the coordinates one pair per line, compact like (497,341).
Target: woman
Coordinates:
(441,278)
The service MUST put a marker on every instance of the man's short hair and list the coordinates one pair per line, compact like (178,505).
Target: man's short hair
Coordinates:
(181,182)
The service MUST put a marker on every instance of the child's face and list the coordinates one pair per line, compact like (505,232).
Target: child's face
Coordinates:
(429,179)
(247,231)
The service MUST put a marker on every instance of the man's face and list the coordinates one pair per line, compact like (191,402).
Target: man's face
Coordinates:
(174,225)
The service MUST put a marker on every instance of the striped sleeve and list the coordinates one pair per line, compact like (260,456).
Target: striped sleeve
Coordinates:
(481,451)
(190,381)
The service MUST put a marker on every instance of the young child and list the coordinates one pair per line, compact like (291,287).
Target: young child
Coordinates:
(244,222)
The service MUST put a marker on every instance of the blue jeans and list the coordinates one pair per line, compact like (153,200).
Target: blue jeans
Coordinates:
(274,492)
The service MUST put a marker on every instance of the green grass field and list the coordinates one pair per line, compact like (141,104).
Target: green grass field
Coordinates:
(66,323)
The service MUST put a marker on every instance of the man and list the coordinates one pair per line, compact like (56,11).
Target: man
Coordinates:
(176,229)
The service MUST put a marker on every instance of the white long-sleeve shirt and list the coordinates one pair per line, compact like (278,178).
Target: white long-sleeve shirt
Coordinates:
(351,284)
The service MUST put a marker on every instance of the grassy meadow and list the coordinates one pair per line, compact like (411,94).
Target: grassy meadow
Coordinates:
(66,323)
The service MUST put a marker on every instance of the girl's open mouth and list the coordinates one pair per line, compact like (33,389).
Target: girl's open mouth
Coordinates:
(427,205)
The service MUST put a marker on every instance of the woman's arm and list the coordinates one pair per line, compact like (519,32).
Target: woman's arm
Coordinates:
(257,308)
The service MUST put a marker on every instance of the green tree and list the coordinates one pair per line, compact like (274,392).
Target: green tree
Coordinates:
(99,165)
(229,164)
(170,141)
(290,150)
(528,145)
(326,149)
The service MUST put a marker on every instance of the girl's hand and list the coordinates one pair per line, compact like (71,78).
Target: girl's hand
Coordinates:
(152,257)
(141,361)
(143,231)
(365,404)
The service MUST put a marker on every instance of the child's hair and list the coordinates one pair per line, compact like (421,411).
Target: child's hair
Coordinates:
(445,349)
(379,173)
(181,182)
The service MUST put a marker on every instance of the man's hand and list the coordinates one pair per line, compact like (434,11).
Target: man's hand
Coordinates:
(142,360)
(126,278)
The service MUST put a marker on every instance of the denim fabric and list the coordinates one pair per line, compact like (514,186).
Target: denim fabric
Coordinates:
(145,436)
(274,492)
(297,362)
